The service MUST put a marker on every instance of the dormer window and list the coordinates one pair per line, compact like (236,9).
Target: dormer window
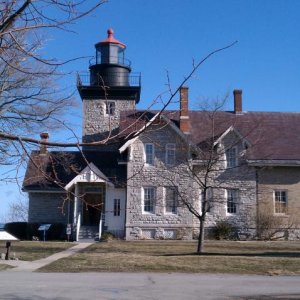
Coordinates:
(231,158)
(170,154)
(149,154)
(110,108)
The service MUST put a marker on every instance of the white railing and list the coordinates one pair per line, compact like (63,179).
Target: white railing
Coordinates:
(78,227)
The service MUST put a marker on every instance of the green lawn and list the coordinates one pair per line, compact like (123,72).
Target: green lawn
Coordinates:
(29,251)
(179,256)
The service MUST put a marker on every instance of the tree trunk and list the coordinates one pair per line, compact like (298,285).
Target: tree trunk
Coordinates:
(200,248)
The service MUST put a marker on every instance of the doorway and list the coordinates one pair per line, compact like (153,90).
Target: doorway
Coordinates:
(91,209)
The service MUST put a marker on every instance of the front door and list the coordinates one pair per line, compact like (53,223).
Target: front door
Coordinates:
(92,208)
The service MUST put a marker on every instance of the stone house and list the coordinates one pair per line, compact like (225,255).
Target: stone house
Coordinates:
(156,166)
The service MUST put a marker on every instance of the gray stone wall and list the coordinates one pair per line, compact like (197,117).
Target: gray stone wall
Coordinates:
(159,224)
(96,123)
(242,178)
(48,208)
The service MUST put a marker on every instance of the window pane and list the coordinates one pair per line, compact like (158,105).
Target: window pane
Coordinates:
(232,199)
(280,202)
(149,199)
(171,200)
(170,154)
(110,108)
(231,158)
(149,150)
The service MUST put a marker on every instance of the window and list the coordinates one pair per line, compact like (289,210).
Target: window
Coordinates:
(149,152)
(149,199)
(117,207)
(171,199)
(231,157)
(232,200)
(110,108)
(170,154)
(209,200)
(280,198)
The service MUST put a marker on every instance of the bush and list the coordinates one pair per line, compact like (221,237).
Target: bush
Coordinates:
(107,236)
(223,230)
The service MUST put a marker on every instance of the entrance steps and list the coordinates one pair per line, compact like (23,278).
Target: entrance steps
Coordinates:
(89,233)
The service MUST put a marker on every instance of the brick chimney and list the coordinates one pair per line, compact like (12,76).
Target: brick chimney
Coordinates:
(44,138)
(237,96)
(184,122)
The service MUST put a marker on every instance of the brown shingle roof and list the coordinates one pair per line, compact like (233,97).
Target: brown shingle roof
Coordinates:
(272,135)
(55,169)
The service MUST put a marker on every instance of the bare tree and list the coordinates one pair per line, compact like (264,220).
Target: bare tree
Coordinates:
(30,97)
(208,178)
(17,211)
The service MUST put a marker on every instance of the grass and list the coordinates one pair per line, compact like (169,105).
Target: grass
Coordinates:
(179,256)
(30,251)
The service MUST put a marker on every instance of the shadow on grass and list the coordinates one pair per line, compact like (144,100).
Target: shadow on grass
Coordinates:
(258,254)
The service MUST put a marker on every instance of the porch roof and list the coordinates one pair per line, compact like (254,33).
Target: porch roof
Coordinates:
(54,170)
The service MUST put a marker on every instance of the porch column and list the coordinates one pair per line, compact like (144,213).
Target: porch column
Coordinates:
(75,205)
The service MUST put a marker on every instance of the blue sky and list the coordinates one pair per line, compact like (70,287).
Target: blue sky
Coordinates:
(167,35)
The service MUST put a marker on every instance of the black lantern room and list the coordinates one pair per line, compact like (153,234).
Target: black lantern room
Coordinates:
(110,73)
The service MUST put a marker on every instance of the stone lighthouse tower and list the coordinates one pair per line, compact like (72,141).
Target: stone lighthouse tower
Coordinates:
(109,88)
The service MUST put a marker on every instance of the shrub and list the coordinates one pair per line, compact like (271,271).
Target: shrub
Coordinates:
(107,236)
(224,230)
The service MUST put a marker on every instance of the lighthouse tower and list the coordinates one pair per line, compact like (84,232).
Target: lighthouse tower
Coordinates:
(109,88)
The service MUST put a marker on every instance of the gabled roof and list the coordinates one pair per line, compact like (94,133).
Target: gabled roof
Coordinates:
(156,120)
(230,130)
(54,170)
(272,135)
(90,174)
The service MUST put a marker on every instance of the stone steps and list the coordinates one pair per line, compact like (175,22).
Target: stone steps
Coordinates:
(89,233)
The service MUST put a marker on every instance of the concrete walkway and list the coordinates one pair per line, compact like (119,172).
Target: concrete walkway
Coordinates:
(31,266)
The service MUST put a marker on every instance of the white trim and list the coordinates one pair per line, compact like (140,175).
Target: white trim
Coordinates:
(236,203)
(170,213)
(273,162)
(127,144)
(286,202)
(166,153)
(143,200)
(89,174)
(168,121)
(236,160)
(232,129)
(44,191)
(152,154)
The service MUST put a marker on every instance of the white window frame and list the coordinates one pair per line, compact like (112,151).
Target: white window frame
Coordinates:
(145,194)
(110,108)
(170,154)
(149,157)
(235,201)
(117,207)
(280,202)
(174,201)
(231,159)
